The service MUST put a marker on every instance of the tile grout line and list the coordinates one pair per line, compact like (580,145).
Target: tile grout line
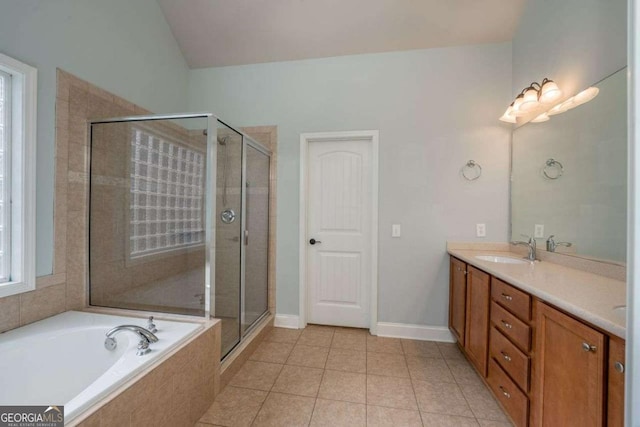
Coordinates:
(415,395)
(253,420)
(315,402)
(459,388)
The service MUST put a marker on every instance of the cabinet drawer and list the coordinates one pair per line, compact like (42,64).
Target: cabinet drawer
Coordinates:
(514,401)
(516,301)
(511,326)
(513,361)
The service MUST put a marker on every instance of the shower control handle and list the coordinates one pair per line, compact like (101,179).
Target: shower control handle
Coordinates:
(314,241)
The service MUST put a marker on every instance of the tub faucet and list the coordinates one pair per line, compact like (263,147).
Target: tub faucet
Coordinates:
(146,338)
(531,244)
(552,244)
(151,326)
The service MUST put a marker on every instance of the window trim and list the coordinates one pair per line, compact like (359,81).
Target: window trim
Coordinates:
(23,151)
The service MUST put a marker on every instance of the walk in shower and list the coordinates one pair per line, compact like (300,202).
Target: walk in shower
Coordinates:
(179,219)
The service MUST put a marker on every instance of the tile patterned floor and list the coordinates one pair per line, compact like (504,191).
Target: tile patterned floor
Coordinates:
(327,376)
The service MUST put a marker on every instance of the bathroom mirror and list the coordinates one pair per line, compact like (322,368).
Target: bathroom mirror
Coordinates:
(569,176)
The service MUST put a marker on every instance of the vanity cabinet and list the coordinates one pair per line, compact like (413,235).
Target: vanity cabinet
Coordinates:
(615,388)
(569,371)
(457,298)
(545,367)
(510,349)
(476,341)
(469,296)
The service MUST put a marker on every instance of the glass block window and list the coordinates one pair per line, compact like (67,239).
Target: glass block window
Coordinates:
(5,175)
(167,195)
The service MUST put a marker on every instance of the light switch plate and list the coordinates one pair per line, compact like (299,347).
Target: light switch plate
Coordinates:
(481,230)
(396,230)
(538,231)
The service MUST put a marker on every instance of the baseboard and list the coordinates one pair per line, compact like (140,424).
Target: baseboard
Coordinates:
(289,321)
(414,332)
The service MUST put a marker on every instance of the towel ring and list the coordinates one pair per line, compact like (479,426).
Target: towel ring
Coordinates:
(553,169)
(471,170)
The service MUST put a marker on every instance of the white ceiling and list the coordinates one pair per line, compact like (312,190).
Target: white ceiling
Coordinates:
(214,33)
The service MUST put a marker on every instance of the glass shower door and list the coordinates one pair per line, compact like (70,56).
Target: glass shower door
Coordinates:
(256,235)
(228,271)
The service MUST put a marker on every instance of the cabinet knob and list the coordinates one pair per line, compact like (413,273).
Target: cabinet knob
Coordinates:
(507,297)
(505,393)
(619,366)
(505,356)
(507,324)
(588,347)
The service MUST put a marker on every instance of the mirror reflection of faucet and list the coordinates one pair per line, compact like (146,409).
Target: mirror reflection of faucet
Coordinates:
(552,244)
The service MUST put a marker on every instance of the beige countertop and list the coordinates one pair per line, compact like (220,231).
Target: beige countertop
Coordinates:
(585,295)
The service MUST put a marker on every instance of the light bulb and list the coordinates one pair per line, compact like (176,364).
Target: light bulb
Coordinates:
(586,95)
(530,100)
(544,117)
(508,116)
(549,92)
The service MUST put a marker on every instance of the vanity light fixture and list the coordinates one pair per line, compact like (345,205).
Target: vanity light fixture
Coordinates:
(579,99)
(544,117)
(585,96)
(508,115)
(549,91)
(531,98)
(536,95)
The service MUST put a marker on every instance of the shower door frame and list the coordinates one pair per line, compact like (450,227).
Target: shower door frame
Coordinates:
(247,141)
(210,205)
(209,201)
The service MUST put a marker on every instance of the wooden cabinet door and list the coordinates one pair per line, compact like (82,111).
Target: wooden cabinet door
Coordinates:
(457,298)
(476,341)
(569,371)
(615,398)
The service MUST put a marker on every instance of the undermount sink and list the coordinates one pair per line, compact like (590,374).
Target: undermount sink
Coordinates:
(501,259)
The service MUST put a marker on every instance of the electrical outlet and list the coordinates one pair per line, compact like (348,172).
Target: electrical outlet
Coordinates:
(481,230)
(396,230)
(538,231)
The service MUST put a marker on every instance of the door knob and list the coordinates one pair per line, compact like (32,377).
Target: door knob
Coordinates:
(314,241)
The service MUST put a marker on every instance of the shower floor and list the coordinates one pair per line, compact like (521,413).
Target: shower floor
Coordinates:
(181,294)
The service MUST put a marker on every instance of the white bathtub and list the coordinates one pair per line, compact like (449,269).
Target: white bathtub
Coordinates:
(62,360)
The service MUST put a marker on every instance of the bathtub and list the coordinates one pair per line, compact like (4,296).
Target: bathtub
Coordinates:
(62,360)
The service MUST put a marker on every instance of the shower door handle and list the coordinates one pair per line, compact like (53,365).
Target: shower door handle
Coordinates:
(246,237)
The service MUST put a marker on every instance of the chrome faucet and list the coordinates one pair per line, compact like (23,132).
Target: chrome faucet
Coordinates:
(531,244)
(552,244)
(146,338)
(151,327)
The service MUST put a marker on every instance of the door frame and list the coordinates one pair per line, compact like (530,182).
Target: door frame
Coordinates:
(371,136)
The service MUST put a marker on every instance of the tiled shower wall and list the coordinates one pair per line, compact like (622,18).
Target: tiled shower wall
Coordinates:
(66,289)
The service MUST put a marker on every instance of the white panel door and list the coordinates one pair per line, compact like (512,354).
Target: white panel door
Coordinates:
(339,221)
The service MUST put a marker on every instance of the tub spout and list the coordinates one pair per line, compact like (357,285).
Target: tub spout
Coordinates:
(146,337)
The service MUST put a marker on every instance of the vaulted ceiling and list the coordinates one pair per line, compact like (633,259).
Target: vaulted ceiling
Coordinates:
(214,33)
